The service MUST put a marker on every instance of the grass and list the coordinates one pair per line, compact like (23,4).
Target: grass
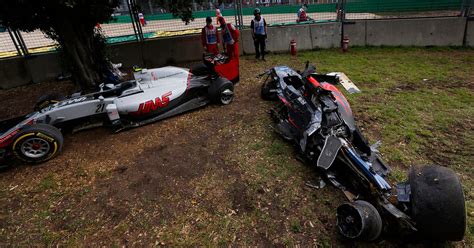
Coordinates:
(47,183)
(418,101)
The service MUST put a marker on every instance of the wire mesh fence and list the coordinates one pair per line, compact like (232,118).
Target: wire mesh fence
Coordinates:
(145,19)
(7,47)
(37,42)
(386,9)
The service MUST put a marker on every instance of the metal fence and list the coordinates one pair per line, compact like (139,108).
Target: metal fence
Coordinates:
(386,9)
(144,19)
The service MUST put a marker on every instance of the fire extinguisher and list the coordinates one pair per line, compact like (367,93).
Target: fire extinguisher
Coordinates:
(293,47)
(345,44)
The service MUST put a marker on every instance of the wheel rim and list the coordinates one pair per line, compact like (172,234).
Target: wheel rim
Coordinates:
(349,221)
(35,148)
(227,96)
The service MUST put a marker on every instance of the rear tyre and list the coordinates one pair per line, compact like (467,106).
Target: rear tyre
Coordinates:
(359,220)
(437,203)
(47,100)
(38,143)
(221,91)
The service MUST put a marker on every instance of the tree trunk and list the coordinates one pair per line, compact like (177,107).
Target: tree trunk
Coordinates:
(85,62)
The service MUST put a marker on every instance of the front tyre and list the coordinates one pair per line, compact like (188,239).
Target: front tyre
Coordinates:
(37,143)
(221,91)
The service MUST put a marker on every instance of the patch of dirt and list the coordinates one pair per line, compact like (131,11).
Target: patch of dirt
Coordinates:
(242,201)
(440,149)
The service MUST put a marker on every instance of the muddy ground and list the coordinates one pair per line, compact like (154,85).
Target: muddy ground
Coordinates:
(216,176)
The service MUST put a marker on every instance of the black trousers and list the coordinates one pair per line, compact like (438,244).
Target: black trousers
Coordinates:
(259,43)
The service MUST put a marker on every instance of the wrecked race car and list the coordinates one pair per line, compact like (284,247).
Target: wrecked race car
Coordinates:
(313,114)
(153,95)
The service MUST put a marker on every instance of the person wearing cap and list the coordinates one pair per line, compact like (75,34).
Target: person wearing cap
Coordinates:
(210,37)
(259,33)
(230,36)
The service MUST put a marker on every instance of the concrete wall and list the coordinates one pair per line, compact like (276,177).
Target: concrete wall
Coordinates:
(158,52)
(416,32)
(469,36)
(19,71)
(162,51)
(44,67)
(407,32)
(279,39)
(14,72)
(307,37)
(356,31)
(326,35)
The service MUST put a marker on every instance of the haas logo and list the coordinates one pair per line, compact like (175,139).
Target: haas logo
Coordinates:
(153,105)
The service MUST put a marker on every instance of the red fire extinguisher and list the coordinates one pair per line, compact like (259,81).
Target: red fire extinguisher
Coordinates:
(345,44)
(293,47)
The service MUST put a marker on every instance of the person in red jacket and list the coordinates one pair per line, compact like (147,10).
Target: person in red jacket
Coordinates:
(230,35)
(210,37)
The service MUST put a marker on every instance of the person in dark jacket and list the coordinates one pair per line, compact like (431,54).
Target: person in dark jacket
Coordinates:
(259,33)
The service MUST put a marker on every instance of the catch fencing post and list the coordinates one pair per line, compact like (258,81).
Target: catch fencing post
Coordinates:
(341,17)
(238,14)
(17,46)
(18,41)
(137,28)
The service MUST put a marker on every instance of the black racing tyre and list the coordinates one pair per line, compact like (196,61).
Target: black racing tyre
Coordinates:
(359,220)
(37,143)
(267,94)
(221,91)
(437,203)
(200,70)
(47,100)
